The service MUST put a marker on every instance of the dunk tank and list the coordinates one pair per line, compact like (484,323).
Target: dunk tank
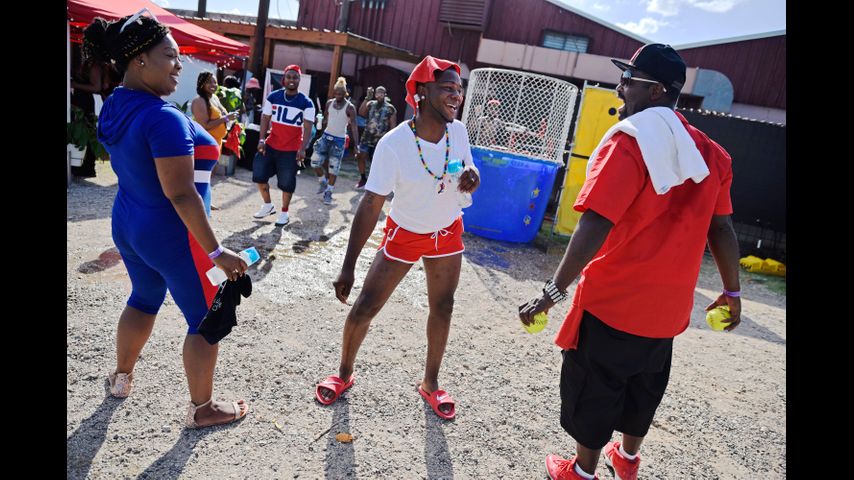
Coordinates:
(518,124)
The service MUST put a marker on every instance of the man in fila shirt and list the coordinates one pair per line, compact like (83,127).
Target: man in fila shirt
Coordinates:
(288,115)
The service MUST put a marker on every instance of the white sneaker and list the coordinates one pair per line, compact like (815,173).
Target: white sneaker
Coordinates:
(327,197)
(321,186)
(283,219)
(265,210)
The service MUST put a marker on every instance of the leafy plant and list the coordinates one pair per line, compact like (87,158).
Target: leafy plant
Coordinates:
(231,98)
(183,107)
(83,133)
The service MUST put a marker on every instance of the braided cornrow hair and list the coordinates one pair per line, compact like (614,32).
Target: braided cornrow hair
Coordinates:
(200,87)
(103,41)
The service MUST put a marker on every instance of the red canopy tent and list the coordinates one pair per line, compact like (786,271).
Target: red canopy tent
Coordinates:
(192,39)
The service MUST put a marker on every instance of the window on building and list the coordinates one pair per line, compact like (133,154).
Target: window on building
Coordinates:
(563,41)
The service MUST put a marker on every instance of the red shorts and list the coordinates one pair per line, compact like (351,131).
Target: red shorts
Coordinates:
(408,247)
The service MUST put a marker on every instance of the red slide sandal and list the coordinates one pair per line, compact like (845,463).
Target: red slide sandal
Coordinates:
(437,398)
(336,385)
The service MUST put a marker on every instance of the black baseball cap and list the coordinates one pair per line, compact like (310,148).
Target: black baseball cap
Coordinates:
(659,61)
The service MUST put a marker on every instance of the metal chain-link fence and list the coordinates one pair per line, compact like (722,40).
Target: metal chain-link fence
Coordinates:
(519,112)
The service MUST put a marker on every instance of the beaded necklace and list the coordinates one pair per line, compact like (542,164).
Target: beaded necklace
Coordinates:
(439,179)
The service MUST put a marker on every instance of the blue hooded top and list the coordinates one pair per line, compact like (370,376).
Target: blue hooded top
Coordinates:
(136,127)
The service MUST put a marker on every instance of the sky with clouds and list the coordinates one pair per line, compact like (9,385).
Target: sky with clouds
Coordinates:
(676,22)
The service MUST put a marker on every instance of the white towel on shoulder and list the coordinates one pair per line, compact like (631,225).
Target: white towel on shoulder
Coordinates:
(669,152)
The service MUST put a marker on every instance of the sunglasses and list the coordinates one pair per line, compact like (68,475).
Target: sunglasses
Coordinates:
(135,18)
(627,76)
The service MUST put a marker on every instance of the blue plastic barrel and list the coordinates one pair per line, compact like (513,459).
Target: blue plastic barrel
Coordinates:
(514,191)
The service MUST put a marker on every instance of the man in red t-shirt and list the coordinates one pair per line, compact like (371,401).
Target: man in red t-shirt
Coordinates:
(638,247)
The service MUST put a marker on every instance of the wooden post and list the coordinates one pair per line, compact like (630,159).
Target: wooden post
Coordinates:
(269,53)
(335,70)
(257,63)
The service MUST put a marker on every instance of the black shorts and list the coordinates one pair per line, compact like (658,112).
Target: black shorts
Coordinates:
(613,381)
(276,162)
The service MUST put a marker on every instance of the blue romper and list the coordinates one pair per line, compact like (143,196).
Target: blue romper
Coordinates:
(159,252)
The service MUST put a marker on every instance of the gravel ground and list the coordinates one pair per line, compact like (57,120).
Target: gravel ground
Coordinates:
(723,415)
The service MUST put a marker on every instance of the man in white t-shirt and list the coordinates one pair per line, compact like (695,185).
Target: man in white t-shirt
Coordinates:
(425,221)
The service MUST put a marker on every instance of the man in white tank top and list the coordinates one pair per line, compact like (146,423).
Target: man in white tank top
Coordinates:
(337,115)
(425,221)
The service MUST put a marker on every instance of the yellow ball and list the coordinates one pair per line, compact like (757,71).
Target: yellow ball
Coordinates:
(716,316)
(540,321)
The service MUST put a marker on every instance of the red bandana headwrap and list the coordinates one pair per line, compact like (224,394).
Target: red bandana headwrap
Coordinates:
(423,73)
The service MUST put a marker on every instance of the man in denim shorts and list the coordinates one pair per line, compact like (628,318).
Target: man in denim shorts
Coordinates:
(290,114)
(337,115)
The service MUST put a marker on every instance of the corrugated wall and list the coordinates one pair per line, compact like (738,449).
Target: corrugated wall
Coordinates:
(756,68)
(409,24)
(523,21)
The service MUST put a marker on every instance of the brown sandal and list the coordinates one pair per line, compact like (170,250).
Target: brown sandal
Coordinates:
(121,384)
(190,421)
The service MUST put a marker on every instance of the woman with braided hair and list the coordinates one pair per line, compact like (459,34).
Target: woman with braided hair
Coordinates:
(160,215)
(208,110)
